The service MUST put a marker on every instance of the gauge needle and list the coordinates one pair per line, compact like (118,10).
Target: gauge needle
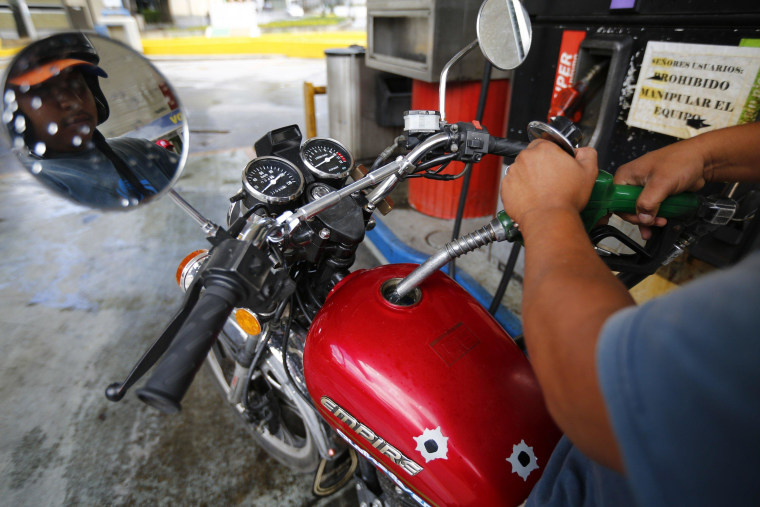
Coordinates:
(327,159)
(273,181)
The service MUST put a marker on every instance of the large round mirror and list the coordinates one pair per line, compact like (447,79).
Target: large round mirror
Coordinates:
(93,120)
(504,33)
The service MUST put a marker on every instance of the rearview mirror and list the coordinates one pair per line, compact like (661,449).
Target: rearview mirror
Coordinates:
(504,33)
(504,36)
(93,120)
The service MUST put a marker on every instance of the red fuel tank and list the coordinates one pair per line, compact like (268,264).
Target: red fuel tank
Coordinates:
(435,392)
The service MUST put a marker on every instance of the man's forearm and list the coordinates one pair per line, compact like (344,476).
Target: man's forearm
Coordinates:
(568,294)
(731,154)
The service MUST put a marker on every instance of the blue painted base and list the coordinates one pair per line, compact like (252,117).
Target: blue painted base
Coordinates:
(396,251)
(114,12)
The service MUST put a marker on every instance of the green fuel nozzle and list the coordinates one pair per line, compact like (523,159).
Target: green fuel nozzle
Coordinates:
(607,197)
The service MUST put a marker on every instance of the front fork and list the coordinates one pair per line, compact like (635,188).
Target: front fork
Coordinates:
(269,341)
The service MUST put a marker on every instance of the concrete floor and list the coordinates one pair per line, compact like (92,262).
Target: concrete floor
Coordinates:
(84,293)
(232,102)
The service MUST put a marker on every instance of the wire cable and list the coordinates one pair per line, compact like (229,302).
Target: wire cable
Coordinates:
(484,85)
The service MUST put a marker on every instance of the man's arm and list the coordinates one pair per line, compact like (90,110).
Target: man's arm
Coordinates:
(565,305)
(568,292)
(729,154)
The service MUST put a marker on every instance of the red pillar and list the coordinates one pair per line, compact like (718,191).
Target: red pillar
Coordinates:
(440,198)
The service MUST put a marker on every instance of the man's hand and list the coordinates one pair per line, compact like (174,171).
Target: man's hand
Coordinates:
(545,177)
(728,154)
(671,170)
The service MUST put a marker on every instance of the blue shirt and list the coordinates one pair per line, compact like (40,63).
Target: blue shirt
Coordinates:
(680,376)
(90,178)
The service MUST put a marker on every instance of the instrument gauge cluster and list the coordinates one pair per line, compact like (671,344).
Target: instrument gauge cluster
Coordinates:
(326,158)
(278,180)
(273,180)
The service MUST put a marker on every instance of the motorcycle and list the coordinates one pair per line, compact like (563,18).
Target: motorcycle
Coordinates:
(395,368)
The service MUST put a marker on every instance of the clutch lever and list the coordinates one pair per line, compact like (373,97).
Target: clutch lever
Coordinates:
(238,267)
(117,390)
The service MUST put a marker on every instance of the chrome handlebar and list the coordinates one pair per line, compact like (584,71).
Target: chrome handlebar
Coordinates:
(389,174)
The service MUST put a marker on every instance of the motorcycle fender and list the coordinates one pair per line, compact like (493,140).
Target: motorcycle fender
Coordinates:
(435,393)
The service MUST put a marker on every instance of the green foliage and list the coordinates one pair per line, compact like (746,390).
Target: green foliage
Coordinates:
(151,15)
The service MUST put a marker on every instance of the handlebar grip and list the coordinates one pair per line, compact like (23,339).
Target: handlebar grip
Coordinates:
(505,147)
(174,374)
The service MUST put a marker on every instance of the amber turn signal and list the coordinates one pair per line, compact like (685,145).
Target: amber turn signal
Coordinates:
(247,321)
(190,265)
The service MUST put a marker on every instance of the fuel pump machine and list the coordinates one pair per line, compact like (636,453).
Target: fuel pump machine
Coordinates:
(637,75)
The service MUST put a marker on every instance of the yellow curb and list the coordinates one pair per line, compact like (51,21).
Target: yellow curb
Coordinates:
(8,53)
(302,45)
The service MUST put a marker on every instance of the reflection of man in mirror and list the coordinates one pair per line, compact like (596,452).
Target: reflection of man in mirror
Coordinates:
(60,103)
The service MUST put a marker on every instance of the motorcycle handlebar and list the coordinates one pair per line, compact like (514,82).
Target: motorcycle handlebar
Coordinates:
(174,374)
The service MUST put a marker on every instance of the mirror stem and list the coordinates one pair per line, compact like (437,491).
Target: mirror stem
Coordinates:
(444,74)
(207,225)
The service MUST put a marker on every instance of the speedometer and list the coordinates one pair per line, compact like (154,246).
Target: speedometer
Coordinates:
(326,158)
(272,180)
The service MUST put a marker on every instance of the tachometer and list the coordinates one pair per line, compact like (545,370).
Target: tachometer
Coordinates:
(326,158)
(272,180)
